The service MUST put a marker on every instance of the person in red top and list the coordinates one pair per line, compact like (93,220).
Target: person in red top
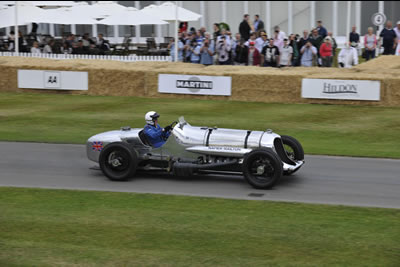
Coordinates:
(254,55)
(325,52)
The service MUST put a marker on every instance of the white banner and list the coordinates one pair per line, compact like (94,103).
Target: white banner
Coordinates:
(194,84)
(341,89)
(49,79)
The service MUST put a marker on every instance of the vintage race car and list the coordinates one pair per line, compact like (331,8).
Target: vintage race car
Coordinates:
(261,156)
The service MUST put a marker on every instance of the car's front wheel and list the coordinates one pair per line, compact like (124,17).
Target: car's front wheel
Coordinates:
(293,149)
(262,168)
(118,161)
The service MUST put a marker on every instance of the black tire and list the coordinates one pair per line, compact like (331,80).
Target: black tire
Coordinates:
(293,149)
(270,172)
(118,153)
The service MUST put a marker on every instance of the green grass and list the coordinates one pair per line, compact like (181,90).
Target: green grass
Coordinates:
(41,227)
(322,129)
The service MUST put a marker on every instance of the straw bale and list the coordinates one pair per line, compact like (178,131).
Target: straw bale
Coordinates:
(248,83)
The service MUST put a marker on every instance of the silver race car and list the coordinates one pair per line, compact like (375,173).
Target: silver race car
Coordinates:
(262,157)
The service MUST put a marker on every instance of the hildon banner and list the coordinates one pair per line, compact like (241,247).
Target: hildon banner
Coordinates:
(194,84)
(341,89)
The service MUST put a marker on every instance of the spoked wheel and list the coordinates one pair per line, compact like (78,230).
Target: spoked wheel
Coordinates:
(118,161)
(262,168)
(293,149)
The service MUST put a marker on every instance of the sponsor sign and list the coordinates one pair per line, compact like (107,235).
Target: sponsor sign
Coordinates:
(378,19)
(194,84)
(48,79)
(341,89)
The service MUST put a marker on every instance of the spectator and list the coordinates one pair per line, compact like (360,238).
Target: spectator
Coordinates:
(235,42)
(77,48)
(244,27)
(224,34)
(334,44)
(303,40)
(285,59)
(223,48)
(348,57)
(187,47)
(326,52)
(87,42)
(11,41)
(48,48)
(70,40)
(216,31)
(183,26)
(281,35)
(241,53)
(321,30)
(199,38)
(309,54)
(35,48)
(261,41)
(277,41)
(203,31)
(194,52)
(65,49)
(370,44)
(253,37)
(102,44)
(254,55)
(354,37)
(316,40)
(207,50)
(171,46)
(258,23)
(397,31)
(296,52)
(270,55)
(389,39)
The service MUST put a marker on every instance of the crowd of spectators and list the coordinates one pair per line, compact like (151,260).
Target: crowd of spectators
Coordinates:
(253,47)
(70,44)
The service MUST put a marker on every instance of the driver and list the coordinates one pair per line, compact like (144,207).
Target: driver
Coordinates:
(156,135)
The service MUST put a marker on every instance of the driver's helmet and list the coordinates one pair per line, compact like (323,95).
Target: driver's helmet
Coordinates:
(151,117)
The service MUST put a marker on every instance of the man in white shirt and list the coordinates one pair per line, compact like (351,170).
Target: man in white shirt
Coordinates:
(261,41)
(348,57)
(286,54)
(281,35)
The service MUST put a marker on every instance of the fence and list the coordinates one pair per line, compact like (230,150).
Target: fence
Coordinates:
(131,58)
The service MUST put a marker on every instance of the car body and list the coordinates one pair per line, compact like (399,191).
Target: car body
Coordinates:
(262,156)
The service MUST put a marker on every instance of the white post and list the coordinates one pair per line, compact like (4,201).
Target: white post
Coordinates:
(202,13)
(137,27)
(158,27)
(94,26)
(16,44)
(176,32)
(348,25)
(73,28)
(8,31)
(51,29)
(268,17)
(334,18)
(358,16)
(246,7)
(381,9)
(312,14)
(290,17)
(223,11)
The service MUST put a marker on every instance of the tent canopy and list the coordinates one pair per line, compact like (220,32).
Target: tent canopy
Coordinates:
(27,13)
(131,16)
(166,11)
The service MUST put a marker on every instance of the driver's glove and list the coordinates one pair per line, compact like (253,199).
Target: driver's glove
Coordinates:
(168,128)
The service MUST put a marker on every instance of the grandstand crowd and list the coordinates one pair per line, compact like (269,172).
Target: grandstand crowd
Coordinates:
(250,46)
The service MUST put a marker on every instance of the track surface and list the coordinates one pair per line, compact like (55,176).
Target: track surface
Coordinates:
(327,180)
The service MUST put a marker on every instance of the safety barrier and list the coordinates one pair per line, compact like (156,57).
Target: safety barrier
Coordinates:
(130,58)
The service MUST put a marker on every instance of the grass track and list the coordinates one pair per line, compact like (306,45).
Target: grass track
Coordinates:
(41,227)
(322,129)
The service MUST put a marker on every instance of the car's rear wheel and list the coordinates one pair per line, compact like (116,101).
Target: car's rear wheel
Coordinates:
(293,149)
(118,161)
(262,168)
